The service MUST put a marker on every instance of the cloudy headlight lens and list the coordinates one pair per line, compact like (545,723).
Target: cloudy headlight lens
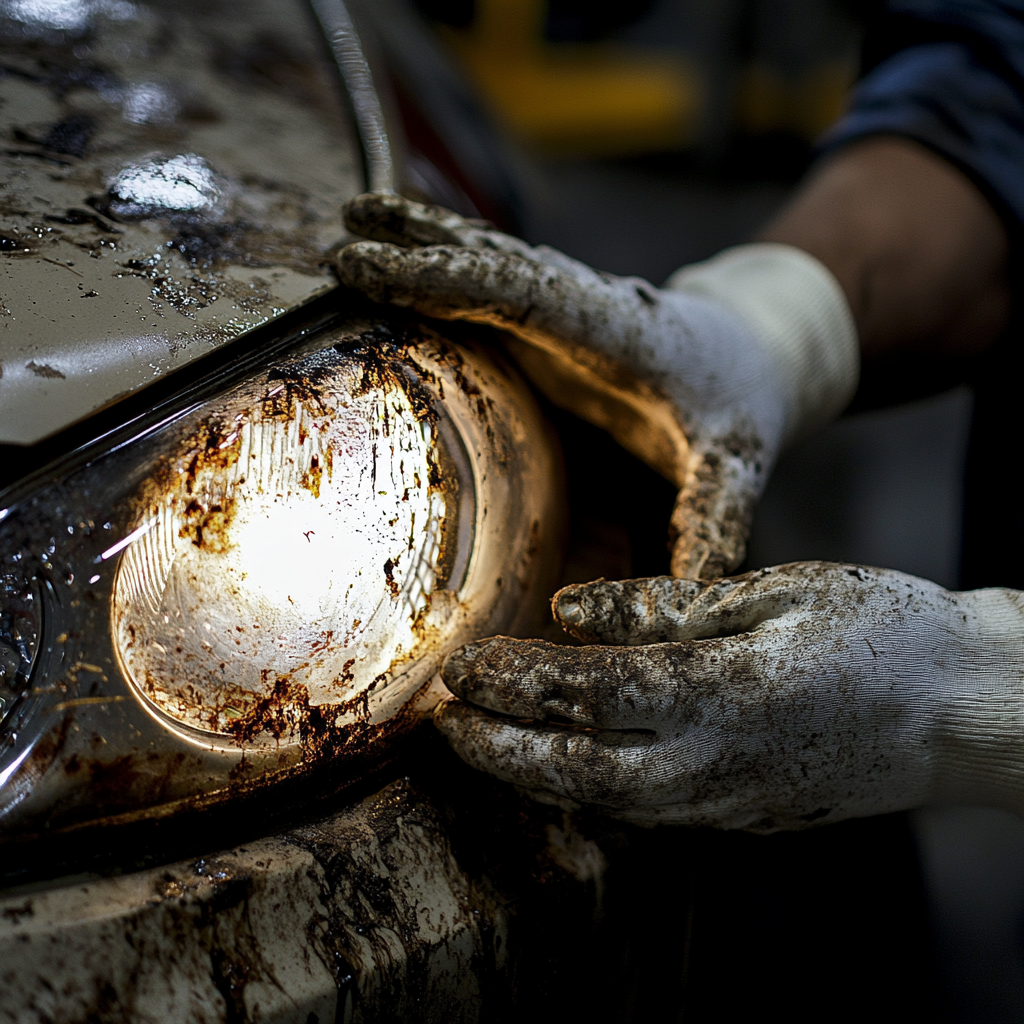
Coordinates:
(259,584)
(291,547)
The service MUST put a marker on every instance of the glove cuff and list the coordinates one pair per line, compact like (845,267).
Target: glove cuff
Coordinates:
(798,311)
(980,736)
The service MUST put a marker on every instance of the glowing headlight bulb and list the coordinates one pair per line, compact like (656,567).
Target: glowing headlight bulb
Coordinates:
(287,554)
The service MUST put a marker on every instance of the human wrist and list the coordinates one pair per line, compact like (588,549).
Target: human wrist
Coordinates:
(979,734)
(800,315)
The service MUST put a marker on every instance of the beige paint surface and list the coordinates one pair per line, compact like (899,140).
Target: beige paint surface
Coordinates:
(90,311)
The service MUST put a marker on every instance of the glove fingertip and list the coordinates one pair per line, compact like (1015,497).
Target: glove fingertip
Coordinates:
(448,715)
(577,608)
(410,224)
(375,268)
(457,668)
(568,605)
(365,211)
(363,252)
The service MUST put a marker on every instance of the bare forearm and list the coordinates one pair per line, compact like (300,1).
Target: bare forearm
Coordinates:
(918,250)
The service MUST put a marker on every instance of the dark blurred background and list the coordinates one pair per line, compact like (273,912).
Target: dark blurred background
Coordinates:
(641,136)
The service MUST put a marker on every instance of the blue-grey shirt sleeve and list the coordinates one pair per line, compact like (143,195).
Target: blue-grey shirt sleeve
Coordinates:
(950,75)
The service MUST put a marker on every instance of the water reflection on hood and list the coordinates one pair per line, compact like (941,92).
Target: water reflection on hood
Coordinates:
(179,184)
(149,103)
(65,15)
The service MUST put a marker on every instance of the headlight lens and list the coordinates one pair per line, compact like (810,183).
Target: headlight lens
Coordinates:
(291,547)
(260,584)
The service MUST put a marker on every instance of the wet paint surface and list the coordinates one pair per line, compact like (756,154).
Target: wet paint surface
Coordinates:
(169,182)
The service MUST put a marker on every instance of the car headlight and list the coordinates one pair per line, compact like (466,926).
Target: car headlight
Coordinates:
(256,585)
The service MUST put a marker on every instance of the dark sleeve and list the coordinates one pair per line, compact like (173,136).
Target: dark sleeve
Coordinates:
(950,75)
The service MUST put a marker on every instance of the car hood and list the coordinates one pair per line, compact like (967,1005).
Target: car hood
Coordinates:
(171,176)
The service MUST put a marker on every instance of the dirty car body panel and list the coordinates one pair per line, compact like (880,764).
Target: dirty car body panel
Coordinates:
(170,180)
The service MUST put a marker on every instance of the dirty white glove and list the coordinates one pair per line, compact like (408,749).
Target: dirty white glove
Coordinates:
(787,697)
(705,380)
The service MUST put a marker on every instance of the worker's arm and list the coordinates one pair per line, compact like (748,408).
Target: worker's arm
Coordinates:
(920,253)
(920,193)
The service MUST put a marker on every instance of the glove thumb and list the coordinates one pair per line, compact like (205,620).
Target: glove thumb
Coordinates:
(711,520)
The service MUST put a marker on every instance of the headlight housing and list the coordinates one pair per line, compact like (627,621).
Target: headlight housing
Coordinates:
(255,586)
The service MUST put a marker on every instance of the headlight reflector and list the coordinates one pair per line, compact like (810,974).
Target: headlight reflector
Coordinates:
(258,562)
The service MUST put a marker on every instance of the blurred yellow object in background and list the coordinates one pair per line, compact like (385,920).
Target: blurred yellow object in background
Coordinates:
(592,99)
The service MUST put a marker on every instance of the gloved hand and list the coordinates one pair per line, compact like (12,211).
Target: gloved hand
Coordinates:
(705,379)
(783,698)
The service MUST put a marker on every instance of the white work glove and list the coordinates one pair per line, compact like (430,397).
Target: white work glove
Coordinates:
(784,698)
(705,380)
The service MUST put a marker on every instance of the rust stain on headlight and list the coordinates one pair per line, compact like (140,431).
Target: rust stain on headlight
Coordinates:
(286,555)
